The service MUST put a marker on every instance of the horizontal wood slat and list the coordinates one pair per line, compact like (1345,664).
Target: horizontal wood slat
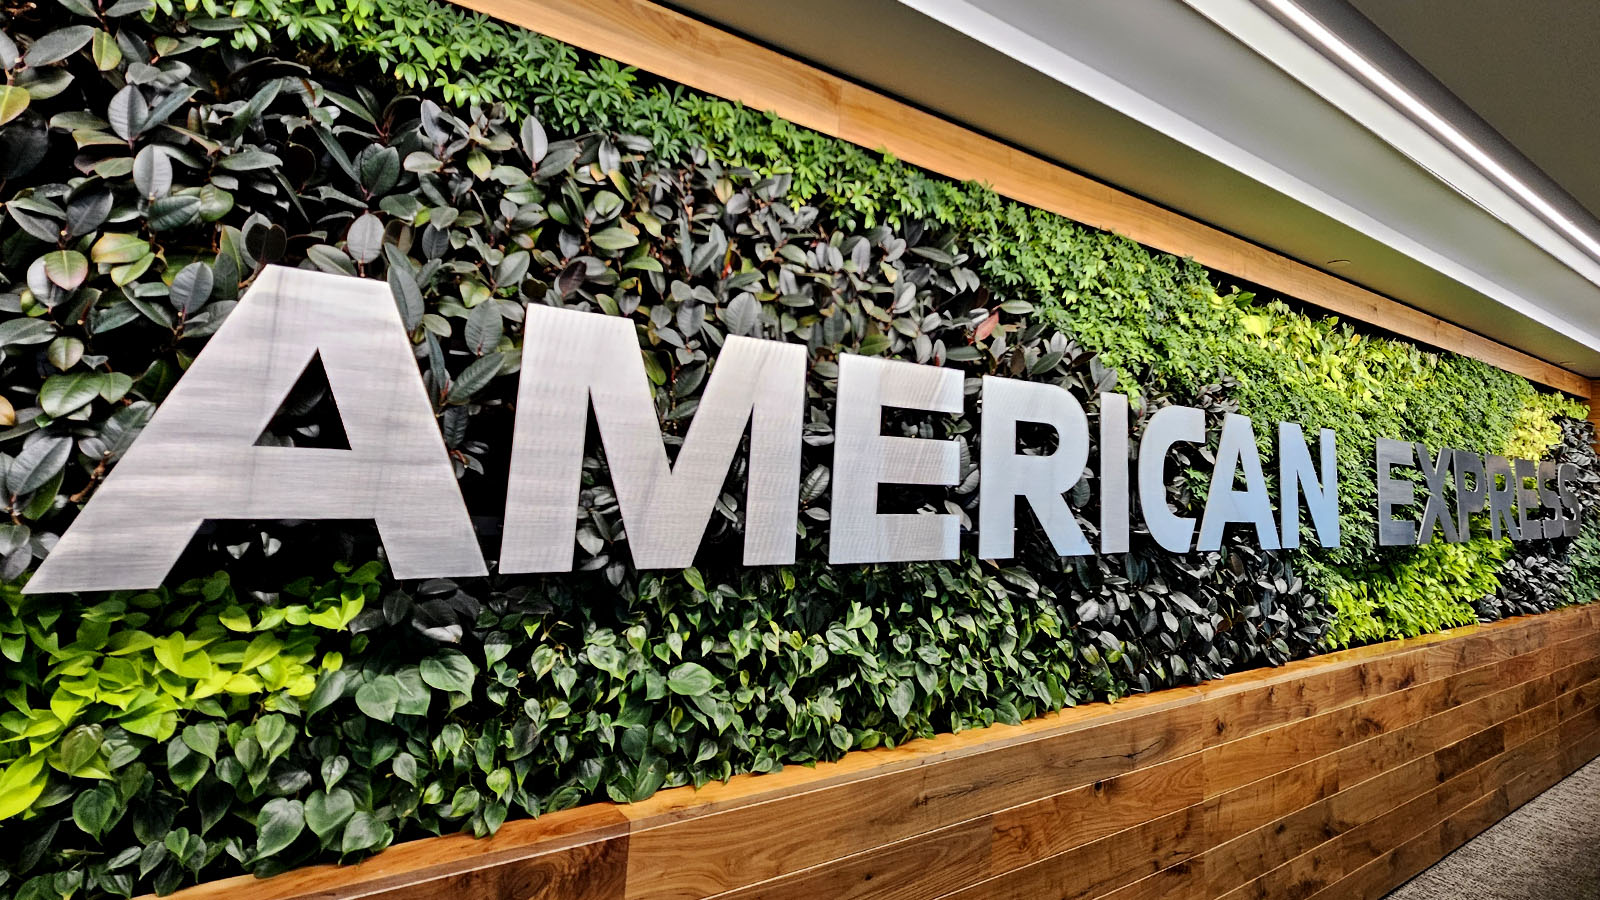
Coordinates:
(1332,777)
(676,47)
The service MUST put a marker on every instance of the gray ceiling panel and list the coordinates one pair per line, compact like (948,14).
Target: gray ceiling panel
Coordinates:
(1233,140)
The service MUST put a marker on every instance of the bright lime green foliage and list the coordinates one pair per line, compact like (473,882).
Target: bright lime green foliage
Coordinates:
(1325,374)
(144,663)
(1535,428)
(1427,590)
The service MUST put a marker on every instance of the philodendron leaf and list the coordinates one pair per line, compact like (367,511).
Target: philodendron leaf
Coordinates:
(326,812)
(378,697)
(21,782)
(364,831)
(448,670)
(278,824)
(93,809)
(900,698)
(334,769)
(690,679)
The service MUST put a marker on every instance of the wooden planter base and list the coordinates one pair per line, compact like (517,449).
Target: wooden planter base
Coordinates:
(1333,777)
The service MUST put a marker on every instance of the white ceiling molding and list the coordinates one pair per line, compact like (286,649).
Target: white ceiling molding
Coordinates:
(1064,58)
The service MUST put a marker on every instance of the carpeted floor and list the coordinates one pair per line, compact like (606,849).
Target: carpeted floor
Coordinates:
(1547,850)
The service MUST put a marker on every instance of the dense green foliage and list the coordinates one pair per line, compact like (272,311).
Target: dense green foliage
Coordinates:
(279,705)
(456,705)
(1160,322)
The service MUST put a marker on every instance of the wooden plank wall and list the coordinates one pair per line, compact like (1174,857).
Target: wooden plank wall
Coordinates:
(674,46)
(1330,778)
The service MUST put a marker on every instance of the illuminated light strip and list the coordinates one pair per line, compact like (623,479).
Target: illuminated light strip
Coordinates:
(1440,125)
(1059,64)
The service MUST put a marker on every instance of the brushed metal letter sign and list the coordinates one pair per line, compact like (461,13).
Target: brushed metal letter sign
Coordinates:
(1237,450)
(572,358)
(1041,479)
(197,458)
(1297,478)
(1491,483)
(1170,425)
(864,458)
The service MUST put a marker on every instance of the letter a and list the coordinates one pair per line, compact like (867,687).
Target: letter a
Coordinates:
(197,459)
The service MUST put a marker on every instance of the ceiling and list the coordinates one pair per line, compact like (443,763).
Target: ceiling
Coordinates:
(1226,111)
(1528,69)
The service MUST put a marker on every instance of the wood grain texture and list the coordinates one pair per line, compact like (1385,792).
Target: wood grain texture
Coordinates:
(659,40)
(1594,408)
(1332,777)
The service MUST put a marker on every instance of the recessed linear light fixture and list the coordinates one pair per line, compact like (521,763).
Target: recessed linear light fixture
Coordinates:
(1441,127)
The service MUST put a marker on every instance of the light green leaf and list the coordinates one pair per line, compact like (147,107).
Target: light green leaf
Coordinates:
(64,352)
(63,394)
(378,697)
(690,679)
(13,100)
(449,670)
(118,248)
(617,238)
(20,784)
(107,55)
(326,812)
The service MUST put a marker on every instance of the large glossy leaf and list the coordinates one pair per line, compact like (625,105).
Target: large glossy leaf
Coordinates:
(690,679)
(378,697)
(191,287)
(66,268)
(59,44)
(364,243)
(38,462)
(128,112)
(152,171)
(62,394)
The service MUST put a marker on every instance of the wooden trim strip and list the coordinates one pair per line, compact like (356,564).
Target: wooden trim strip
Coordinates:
(678,48)
(1124,799)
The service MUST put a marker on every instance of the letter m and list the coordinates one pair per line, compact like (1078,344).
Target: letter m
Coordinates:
(572,360)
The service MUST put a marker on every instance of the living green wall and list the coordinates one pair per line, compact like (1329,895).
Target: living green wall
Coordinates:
(283,700)
(1162,324)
